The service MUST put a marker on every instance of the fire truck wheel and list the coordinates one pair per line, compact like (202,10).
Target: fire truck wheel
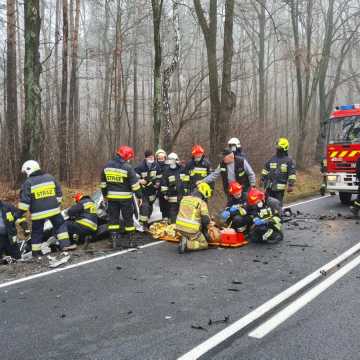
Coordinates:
(345,198)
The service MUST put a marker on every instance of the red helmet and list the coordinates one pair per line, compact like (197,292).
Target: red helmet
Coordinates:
(78,196)
(255,196)
(235,188)
(126,152)
(197,150)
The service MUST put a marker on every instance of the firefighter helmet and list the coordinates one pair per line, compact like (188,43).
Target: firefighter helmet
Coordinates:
(160,152)
(173,156)
(205,190)
(235,188)
(29,167)
(197,151)
(78,196)
(283,144)
(126,152)
(234,142)
(255,196)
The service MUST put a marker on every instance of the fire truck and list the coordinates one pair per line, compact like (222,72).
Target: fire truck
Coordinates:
(343,150)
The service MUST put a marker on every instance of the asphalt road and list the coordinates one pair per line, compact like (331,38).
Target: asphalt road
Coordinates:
(144,305)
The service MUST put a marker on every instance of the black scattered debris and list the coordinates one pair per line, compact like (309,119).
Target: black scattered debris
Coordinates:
(118,268)
(236,282)
(265,263)
(198,327)
(222,321)
(233,289)
(255,260)
(62,316)
(3,301)
(323,272)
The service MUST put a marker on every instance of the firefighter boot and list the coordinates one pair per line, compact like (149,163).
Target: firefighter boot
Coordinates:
(114,238)
(182,245)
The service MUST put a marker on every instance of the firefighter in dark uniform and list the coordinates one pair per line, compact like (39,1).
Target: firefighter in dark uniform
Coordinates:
(356,204)
(10,216)
(161,157)
(233,168)
(83,219)
(41,195)
(235,215)
(118,183)
(235,146)
(148,172)
(197,168)
(323,170)
(173,186)
(279,172)
(266,226)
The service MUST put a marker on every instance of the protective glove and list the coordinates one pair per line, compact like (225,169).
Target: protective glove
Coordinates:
(259,222)
(225,215)
(233,210)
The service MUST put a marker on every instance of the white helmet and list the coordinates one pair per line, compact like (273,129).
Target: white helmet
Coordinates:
(173,156)
(235,142)
(159,152)
(29,167)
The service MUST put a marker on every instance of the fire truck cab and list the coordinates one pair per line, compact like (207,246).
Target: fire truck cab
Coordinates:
(343,150)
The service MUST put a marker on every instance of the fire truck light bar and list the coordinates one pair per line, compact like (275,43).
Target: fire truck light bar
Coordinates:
(348,107)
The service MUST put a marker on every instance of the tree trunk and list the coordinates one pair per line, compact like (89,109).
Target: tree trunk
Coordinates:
(32,131)
(136,98)
(11,89)
(157,11)
(63,138)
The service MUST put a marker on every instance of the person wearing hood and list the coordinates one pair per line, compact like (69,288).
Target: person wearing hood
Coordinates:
(10,216)
(41,195)
(279,173)
(148,172)
(173,186)
(193,219)
(118,184)
(197,168)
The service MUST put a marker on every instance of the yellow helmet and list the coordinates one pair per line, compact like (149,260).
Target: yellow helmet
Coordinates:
(205,190)
(283,144)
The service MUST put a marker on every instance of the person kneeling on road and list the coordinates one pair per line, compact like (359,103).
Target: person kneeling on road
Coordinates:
(236,215)
(10,216)
(83,219)
(193,219)
(266,223)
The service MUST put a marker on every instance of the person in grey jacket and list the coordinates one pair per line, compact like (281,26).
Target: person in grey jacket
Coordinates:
(233,168)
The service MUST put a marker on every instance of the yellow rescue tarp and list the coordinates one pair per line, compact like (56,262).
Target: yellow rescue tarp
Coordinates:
(163,231)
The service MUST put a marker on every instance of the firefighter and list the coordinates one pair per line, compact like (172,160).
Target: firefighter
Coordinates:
(10,216)
(193,219)
(279,172)
(197,168)
(266,224)
(235,146)
(41,195)
(173,186)
(323,170)
(235,215)
(161,158)
(148,172)
(118,183)
(356,204)
(233,168)
(83,219)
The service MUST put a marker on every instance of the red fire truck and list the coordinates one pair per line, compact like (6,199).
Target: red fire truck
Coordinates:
(343,150)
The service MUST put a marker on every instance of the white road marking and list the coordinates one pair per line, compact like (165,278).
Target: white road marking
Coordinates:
(308,201)
(36,276)
(240,324)
(303,300)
